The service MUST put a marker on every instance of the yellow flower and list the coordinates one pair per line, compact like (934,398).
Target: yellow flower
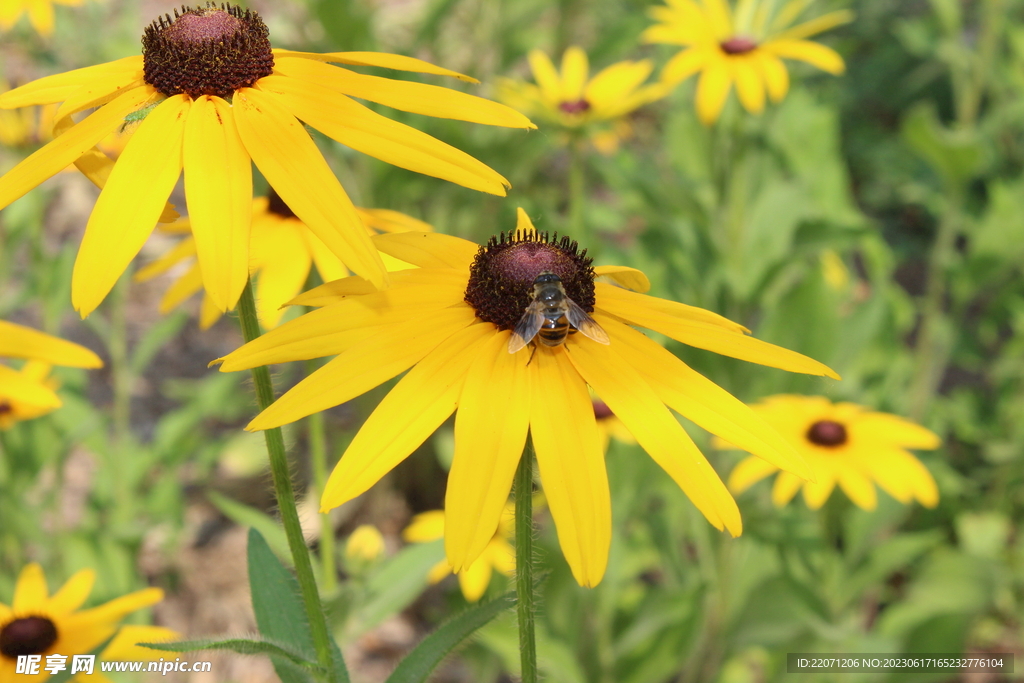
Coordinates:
(572,99)
(365,543)
(40,13)
(610,426)
(450,321)
(210,97)
(745,46)
(27,393)
(845,444)
(498,554)
(282,251)
(124,648)
(37,623)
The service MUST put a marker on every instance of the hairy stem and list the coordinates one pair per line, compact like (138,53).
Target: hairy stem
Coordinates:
(318,456)
(524,566)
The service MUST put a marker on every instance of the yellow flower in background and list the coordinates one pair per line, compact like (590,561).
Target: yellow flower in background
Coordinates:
(365,543)
(573,100)
(28,393)
(37,623)
(282,252)
(449,323)
(610,426)
(124,647)
(209,96)
(744,46)
(497,555)
(845,444)
(40,13)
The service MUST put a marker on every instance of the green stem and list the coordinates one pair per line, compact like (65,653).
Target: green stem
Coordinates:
(120,367)
(318,456)
(577,195)
(524,566)
(286,495)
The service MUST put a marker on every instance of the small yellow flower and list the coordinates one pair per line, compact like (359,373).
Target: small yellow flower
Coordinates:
(745,47)
(40,13)
(365,543)
(610,426)
(497,555)
(28,393)
(449,323)
(210,98)
(845,444)
(282,252)
(36,623)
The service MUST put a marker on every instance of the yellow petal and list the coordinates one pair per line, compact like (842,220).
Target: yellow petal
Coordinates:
(713,89)
(475,580)
(418,98)
(40,15)
(181,251)
(617,82)
(719,18)
(815,54)
(749,86)
(284,264)
(575,71)
(547,77)
(366,365)
(439,572)
(684,65)
(64,149)
(656,430)
(653,312)
(181,289)
(96,166)
(350,123)
(74,593)
(382,59)
(885,428)
(125,645)
(59,87)
(94,94)
(428,249)
(208,314)
(386,220)
(774,73)
(787,484)
(701,400)
(327,264)
(490,433)
(571,463)
(424,527)
(858,487)
(409,414)
(17,341)
(334,291)
(630,278)
(30,591)
(817,25)
(750,471)
(120,607)
(218,188)
(289,159)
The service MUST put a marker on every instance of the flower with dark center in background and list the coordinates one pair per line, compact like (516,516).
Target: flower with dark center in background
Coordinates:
(845,444)
(36,623)
(210,96)
(40,13)
(745,47)
(448,323)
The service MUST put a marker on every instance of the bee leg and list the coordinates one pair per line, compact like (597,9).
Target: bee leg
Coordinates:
(533,350)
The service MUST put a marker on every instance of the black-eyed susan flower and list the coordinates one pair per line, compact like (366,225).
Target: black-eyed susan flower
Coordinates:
(282,252)
(29,393)
(498,555)
(124,647)
(744,46)
(844,444)
(450,321)
(573,100)
(40,13)
(37,623)
(210,96)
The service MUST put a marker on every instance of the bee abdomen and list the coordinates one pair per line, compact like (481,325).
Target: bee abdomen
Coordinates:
(554,332)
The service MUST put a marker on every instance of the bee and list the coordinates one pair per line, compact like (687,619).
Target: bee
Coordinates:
(552,317)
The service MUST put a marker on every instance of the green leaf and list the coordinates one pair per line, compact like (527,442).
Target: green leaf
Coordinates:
(955,155)
(243,646)
(417,665)
(399,581)
(155,339)
(247,516)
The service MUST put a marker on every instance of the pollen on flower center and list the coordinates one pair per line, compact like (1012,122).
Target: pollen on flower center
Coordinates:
(738,45)
(206,51)
(501,277)
(27,636)
(827,433)
(580,106)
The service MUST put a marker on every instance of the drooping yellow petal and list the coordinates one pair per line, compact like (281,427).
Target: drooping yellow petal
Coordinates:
(749,86)
(712,90)
(418,98)
(685,64)
(656,430)
(282,272)
(365,365)
(788,14)
(575,72)
(547,77)
(352,124)
(815,54)
(885,428)
(630,278)
(774,73)
(418,404)
(289,159)
(475,579)
(130,204)
(64,149)
(652,312)
(381,59)
(858,487)
(183,288)
(428,249)
(571,463)
(28,391)
(218,187)
(181,251)
(787,484)
(59,87)
(750,471)
(30,590)
(208,313)
(17,341)
(74,593)
(490,433)
(40,15)
(424,527)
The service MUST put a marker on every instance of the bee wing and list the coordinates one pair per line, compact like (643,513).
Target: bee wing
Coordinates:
(579,319)
(527,328)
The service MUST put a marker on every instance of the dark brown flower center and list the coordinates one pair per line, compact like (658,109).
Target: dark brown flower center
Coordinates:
(827,433)
(276,205)
(501,277)
(738,45)
(5,407)
(206,51)
(602,411)
(27,636)
(580,106)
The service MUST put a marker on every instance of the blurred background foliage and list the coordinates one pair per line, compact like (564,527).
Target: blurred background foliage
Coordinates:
(873,221)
